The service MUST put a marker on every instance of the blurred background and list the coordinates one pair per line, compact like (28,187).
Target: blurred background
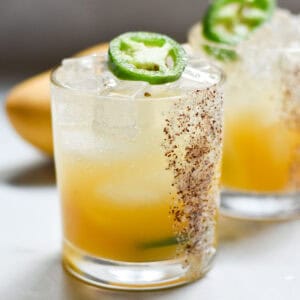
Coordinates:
(35,35)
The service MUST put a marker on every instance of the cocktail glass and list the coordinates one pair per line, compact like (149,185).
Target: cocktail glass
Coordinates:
(261,157)
(138,170)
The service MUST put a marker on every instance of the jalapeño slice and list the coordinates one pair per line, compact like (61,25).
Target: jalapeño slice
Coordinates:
(230,21)
(146,56)
(221,54)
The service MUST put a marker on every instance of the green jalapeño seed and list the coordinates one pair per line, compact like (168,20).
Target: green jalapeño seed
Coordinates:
(146,56)
(230,21)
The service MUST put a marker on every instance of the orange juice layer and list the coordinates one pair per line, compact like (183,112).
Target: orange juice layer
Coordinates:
(119,210)
(258,157)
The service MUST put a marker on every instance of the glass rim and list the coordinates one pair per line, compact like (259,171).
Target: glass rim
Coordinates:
(59,84)
(196,29)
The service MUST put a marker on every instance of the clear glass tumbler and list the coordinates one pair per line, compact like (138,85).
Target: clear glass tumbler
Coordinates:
(261,161)
(261,157)
(138,171)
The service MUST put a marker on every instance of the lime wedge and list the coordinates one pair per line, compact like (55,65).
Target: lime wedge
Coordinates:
(165,242)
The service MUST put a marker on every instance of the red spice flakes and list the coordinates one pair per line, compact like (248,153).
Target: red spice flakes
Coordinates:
(193,131)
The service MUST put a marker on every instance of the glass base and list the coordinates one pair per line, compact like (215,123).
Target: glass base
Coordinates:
(127,276)
(262,207)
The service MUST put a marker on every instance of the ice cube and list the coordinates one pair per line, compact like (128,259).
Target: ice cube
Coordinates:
(77,140)
(279,32)
(76,76)
(138,185)
(72,109)
(126,88)
(107,81)
(116,118)
(170,89)
(198,74)
(83,75)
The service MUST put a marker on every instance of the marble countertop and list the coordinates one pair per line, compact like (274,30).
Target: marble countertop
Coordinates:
(254,261)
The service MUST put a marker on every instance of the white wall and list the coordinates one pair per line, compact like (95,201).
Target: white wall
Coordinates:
(39,32)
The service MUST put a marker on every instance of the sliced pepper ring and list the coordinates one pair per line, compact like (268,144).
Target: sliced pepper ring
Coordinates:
(221,54)
(230,21)
(146,56)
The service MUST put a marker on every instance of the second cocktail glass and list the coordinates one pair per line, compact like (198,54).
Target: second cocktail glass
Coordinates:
(261,169)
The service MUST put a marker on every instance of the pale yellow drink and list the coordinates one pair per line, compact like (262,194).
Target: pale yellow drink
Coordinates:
(118,209)
(260,144)
(138,169)
(262,132)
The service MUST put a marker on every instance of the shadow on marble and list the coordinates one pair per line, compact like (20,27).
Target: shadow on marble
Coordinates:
(47,280)
(232,230)
(75,289)
(39,174)
(251,239)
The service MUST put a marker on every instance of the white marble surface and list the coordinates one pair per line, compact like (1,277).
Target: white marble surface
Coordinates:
(255,260)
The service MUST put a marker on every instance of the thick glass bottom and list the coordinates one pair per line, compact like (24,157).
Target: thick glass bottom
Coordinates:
(254,206)
(129,276)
